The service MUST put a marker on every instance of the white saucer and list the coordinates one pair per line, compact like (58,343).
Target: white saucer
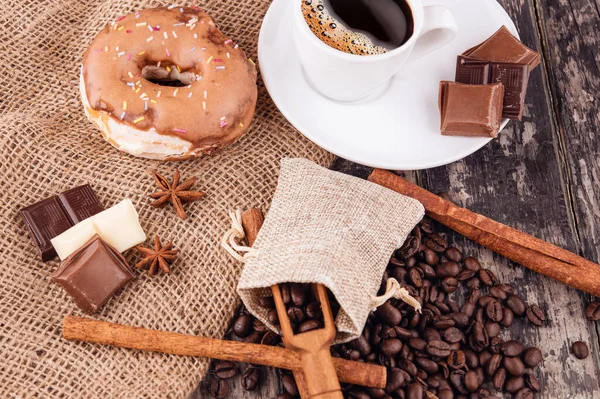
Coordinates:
(398,130)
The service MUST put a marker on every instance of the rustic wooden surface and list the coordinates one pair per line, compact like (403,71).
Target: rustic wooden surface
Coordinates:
(541,176)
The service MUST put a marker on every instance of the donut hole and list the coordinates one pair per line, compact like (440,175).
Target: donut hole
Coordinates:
(168,76)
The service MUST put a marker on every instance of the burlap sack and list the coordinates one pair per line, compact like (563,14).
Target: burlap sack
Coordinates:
(329,228)
(47,146)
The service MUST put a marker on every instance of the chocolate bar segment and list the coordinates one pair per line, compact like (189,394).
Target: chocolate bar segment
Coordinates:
(93,274)
(502,46)
(80,203)
(514,77)
(470,110)
(45,220)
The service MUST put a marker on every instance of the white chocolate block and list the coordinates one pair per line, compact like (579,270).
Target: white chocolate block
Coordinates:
(118,226)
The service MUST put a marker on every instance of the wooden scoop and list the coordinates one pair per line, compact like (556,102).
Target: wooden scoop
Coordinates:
(313,347)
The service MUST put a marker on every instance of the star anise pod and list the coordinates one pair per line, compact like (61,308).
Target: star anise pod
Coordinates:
(178,194)
(159,257)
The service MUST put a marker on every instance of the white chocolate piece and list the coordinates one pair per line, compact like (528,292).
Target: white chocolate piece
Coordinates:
(118,226)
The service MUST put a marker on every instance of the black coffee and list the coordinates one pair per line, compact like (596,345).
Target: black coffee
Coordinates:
(361,27)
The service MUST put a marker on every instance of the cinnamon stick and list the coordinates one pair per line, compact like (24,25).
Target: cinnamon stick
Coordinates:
(102,332)
(252,221)
(531,252)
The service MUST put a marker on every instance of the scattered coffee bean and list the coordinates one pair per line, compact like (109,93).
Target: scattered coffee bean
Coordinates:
(219,388)
(514,366)
(289,384)
(250,378)
(225,370)
(514,384)
(242,327)
(266,302)
(499,379)
(532,382)
(532,357)
(524,393)
(592,311)
(309,325)
(513,348)
(516,304)
(535,315)
(580,350)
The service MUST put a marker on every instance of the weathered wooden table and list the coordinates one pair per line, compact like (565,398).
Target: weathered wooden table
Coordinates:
(541,176)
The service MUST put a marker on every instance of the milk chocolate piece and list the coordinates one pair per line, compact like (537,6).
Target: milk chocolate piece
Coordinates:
(502,46)
(45,220)
(514,77)
(80,203)
(470,110)
(93,274)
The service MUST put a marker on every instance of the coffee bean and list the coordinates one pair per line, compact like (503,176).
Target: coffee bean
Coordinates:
(427,365)
(484,357)
(284,396)
(259,326)
(272,317)
(499,379)
(532,357)
(242,327)
(299,294)
(409,367)
(395,380)
(514,366)
(465,275)
(266,302)
(531,382)
(460,318)
(468,309)
(453,335)
(449,285)
(473,283)
(414,391)
(447,269)
(592,311)
(225,370)
(457,381)
(285,293)
(535,315)
(492,328)
(580,350)
(471,358)
(309,325)
(487,277)
(516,304)
(357,393)
(402,333)
(253,338)
(493,364)
(428,271)
(295,314)
(270,338)
(389,314)
(507,317)
(494,311)
(361,344)
(435,242)
(438,348)
(417,343)
(391,347)
(289,384)
(250,378)
(453,254)
(512,348)
(313,310)
(219,388)
(415,278)
(495,344)
(485,300)
(478,340)
(524,393)
(431,257)
(513,384)
(472,264)
(445,394)
(409,248)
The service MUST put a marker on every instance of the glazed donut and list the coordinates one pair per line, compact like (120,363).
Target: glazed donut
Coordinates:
(165,83)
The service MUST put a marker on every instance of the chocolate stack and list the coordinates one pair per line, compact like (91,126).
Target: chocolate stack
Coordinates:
(491,83)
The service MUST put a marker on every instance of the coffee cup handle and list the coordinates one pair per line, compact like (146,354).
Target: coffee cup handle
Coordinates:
(439,29)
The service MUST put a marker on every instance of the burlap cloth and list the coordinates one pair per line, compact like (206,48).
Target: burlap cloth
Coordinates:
(333,229)
(47,146)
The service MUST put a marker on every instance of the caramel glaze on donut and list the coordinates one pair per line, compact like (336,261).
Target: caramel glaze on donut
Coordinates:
(210,113)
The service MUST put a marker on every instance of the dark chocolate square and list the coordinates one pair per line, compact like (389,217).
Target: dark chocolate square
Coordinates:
(93,274)
(80,203)
(45,220)
(472,71)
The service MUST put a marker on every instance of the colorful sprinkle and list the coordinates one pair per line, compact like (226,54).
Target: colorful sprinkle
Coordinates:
(165,35)
(174,34)
(191,94)
(217,60)
(158,94)
(241,125)
(236,46)
(130,76)
(128,57)
(250,59)
(228,41)
(105,48)
(179,130)
(209,60)
(121,18)
(150,39)
(150,28)
(222,124)
(120,53)
(205,94)
(156,28)
(219,68)
(128,31)
(97,50)
(195,35)
(130,84)
(137,90)
(168,53)
(199,77)
(145,105)
(175,92)
(228,55)
(153,101)
(178,24)
(193,49)
(138,120)
(168,68)
(204,105)
(178,69)
(172,6)
(181,9)
(121,28)
(123,115)
(124,105)
(141,24)
(141,53)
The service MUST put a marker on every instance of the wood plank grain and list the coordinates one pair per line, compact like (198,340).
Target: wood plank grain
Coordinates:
(520,180)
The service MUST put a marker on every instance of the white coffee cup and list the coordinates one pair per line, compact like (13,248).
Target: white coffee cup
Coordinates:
(347,77)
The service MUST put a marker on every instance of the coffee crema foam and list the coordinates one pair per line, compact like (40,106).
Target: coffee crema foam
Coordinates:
(336,35)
